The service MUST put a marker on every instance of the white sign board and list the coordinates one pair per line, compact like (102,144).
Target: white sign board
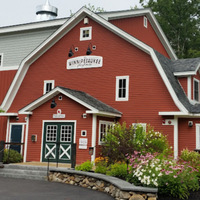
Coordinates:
(82,62)
(83,143)
(59,115)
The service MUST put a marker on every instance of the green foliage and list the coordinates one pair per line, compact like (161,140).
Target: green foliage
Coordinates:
(92,8)
(118,170)
(11,156)
(86,166)
(180,21)
(122,140)
(1,111)
(101,168)
(193,158)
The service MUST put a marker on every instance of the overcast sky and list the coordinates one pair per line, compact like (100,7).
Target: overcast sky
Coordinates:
(23,11)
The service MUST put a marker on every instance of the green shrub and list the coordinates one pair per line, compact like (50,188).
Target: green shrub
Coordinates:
(11,156)
(123,140)
(192,157)
(102,169)
(86,166)
(118,170)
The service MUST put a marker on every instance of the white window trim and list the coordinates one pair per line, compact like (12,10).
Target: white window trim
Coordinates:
(145,22)
(197,136)
(81,33)
(107,124)
(1,57)
(117,88)
(45,83)
(82,131)
(198,89)
(144,125)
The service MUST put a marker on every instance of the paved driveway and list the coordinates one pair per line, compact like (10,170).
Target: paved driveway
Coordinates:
(21,189)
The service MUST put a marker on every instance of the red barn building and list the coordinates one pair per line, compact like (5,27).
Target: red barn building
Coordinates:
(62,82)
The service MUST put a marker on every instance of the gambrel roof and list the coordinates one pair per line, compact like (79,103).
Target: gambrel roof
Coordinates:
(165,67)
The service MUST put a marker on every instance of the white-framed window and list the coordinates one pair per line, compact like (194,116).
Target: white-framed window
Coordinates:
(197,136)
(145,22)
(83,133)
(1,59)
(85,33)
(103,128)
(196,89)
(122,88)
(48,86)
(144,125)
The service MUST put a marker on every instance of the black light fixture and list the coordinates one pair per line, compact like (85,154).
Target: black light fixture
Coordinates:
(53,104)
(71,53)
(88,52)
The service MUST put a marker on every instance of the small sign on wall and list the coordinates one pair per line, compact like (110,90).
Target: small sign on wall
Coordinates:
(83,143)
(59,115)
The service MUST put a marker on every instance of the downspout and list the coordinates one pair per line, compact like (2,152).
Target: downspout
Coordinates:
(26,139)
(175,137)
(94,132)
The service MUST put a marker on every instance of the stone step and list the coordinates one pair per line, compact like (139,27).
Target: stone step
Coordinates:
(24,171)
(25,167)
(23,176)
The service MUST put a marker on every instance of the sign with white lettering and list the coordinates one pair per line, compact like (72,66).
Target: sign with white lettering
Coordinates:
(82,62)
(59,115)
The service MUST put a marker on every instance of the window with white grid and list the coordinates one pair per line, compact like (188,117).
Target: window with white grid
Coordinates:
(66,133)
(51,133)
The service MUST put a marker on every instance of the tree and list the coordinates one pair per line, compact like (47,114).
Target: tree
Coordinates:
(92,8)
(180,21)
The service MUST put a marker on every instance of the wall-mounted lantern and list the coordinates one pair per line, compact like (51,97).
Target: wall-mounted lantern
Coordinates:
(91,150)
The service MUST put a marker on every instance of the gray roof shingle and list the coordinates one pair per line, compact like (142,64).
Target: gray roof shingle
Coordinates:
(168,67)
(88,99)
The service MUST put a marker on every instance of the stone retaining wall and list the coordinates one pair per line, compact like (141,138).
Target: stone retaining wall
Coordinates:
(100,185)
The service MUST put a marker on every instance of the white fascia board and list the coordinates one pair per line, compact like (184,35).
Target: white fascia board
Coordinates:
(180,114)
(34,25)
(189,73)
(51,95)
(8,114)
(9,68)
(101,113)
(171,113)
(167,83)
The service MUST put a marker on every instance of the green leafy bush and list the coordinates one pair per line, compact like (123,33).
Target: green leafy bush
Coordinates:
(101,165)
(11,156)
(86,166)
(192,157)
(122,140)
(118,170)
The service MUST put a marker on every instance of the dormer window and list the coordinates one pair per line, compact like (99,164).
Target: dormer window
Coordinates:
(1,59)
(85,33)
(196,89)
(48,86)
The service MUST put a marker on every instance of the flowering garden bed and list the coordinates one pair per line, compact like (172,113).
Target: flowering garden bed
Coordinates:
(144,159)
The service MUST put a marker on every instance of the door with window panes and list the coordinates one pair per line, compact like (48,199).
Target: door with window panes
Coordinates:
(57,142)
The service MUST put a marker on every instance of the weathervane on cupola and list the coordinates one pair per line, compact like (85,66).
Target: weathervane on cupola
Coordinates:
(46,11)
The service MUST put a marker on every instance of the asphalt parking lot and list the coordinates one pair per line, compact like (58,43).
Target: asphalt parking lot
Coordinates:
(21,189)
